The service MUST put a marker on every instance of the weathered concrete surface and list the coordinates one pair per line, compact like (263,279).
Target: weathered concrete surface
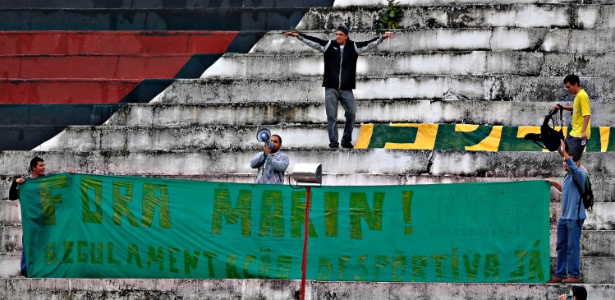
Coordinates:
(443,63)
(446,88)
(167,138)
(601,218)
(9,267)
(547,40)
(227,161)
(10,213)
(10,238)
(468,14)
(380,64)
(279,114)
(278,289)
(445,291)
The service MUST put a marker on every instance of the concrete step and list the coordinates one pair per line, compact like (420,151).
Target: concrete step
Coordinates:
(221,137)
(459,14)
(10,214)
(9,267)
(544,40)
(600,218)
(447,88)
(283,289)
(267,114)
(284,65)
(509,165)
(10,238)
(194,137)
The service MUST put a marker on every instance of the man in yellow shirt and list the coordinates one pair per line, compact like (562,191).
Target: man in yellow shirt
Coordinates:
(581,114)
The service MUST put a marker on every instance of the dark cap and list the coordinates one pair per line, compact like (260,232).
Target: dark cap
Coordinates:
(342,28)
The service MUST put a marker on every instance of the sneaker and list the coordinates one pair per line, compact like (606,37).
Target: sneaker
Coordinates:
(555,279)
(572,280)
(347,145)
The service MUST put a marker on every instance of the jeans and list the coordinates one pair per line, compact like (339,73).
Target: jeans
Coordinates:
(23,258)
(568,248)
(346,98)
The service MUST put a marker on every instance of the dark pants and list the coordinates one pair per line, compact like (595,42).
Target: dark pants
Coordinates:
(575,147)
(333,97)
(23,259)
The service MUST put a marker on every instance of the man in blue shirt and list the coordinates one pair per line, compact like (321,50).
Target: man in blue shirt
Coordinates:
(568,248)
(271,163)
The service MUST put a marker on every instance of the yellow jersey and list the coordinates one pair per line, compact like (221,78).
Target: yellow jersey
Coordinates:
(580,109)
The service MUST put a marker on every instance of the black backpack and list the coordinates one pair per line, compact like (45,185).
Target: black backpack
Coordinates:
(587,196)
(549,138)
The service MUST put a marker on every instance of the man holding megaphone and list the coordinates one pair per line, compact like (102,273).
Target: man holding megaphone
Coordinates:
(271,163)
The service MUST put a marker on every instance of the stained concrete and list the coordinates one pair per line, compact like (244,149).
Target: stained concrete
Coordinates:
(279,290)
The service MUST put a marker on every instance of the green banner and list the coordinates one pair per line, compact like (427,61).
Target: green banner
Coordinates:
(466,137)
(91,226)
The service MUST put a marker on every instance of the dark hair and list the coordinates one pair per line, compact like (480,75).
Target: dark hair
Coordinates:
(580,292)
(279,137)
(572,79)
(343,29)
(34,162)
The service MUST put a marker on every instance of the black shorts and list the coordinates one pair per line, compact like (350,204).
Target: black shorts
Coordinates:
(575,147)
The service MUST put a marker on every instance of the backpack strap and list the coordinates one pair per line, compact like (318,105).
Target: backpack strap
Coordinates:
(561,118)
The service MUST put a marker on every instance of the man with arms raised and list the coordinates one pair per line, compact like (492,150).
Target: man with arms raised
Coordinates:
(339,77)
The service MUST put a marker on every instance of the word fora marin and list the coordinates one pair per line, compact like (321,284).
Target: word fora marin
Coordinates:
(155,205)
(452,267)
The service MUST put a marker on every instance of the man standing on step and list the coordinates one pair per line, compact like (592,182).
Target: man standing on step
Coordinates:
(581,113)
(570,223)
(37,169)
(271,163)
(340,57)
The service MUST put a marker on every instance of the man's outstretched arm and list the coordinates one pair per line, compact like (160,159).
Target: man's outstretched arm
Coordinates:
(373,43)
(313,42)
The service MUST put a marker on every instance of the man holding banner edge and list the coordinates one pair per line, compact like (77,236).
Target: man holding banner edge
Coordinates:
(570,223)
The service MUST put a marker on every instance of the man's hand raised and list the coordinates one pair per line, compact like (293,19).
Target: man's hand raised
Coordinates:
(291,33)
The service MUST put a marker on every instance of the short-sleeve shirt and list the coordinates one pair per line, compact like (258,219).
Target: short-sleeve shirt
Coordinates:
(580,108)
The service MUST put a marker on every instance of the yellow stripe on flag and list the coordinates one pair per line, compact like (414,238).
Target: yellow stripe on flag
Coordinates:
(425,137)
(365,136)
(604,138)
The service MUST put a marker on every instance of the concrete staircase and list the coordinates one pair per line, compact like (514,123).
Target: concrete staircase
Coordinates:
(458,61)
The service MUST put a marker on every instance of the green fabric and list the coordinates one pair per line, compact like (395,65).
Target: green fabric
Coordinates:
(134,227)
(447,138)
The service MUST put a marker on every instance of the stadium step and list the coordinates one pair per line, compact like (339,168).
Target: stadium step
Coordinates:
(437,88)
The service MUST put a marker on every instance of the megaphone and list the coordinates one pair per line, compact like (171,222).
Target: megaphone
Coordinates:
(264,135)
